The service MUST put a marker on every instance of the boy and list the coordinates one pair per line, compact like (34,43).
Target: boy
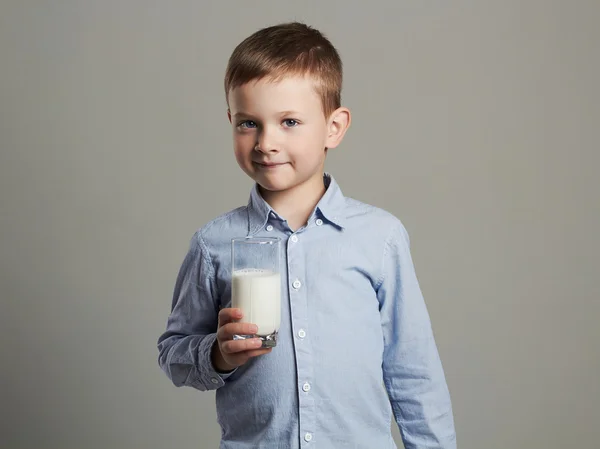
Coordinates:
(355,333)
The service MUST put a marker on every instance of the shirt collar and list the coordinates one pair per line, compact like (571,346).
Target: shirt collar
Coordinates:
(331,206)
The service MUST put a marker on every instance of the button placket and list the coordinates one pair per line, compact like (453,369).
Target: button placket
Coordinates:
(303,350)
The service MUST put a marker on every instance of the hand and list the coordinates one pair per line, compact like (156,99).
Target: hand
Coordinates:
(227,353)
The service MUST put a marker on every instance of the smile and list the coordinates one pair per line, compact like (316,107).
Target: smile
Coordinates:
(268,165)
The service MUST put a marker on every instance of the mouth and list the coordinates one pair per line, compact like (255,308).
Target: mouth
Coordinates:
(269,165)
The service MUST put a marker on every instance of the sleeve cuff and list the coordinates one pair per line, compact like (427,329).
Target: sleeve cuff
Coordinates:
(209,376)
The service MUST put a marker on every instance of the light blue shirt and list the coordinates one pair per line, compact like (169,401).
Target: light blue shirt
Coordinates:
(355,346)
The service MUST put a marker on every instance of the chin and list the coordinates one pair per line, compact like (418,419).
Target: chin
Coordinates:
(274,185)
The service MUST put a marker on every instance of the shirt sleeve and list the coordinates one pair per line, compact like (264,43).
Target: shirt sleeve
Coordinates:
(185,347)
(412,370)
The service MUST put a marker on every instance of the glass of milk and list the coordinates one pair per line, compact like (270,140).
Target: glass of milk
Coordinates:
(256,285)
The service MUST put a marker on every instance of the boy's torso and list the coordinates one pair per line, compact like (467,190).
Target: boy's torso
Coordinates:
(322,383)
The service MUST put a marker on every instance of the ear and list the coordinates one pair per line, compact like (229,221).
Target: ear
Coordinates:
(339,122)
(229,115)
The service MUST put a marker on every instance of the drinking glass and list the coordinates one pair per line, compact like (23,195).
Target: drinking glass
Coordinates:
(256,285)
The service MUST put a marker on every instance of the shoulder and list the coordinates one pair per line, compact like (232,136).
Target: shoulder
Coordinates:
(222,227)
(379,220)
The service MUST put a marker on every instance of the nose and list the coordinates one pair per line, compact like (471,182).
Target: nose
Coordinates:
(266,142)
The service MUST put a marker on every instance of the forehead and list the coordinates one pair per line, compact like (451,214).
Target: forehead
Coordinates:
(267,94)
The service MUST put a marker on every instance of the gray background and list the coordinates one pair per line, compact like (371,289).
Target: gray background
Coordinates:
(476,123)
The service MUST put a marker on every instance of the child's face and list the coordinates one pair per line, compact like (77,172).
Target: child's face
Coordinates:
(280,132)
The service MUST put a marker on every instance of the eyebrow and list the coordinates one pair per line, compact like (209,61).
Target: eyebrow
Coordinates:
(289,113)
(242,114)
(250,116)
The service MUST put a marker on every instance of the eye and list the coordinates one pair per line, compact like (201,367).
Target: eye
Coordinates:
(290,122)
(247,124)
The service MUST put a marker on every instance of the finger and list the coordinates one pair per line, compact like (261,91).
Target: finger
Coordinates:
(237,346)
(227,331)
(240,358)
(229,315)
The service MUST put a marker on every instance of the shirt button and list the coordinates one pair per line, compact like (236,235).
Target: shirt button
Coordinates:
(297,284)
(319,222)
(301,333)
(306,387)
(308,437)
(269,228)
(294,238)
(214,380)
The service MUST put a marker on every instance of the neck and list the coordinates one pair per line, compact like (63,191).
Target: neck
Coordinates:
(296,204)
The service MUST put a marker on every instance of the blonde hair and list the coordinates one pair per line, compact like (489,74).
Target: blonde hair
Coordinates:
(288,49)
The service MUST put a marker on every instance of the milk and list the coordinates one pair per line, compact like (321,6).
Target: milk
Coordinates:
(258,294)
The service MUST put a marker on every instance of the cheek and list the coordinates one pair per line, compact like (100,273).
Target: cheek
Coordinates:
(242,143)
(242,149)
(240,154)
(305,140)
(310,143)
(242,159)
